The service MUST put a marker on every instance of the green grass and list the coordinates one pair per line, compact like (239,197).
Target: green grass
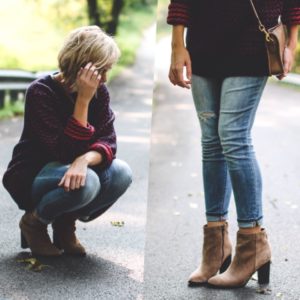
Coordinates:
(12,109)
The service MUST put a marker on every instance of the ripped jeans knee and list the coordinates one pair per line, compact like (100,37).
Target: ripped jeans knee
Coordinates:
(205,115)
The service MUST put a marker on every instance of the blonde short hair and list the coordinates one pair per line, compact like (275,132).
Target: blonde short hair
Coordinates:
(83,45)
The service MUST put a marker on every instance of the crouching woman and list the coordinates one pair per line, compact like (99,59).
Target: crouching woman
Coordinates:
(64,166)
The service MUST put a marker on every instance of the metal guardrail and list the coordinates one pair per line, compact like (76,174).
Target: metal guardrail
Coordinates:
(14,83)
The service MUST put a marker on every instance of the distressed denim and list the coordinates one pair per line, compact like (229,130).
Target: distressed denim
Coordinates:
(102,189)
(226,110)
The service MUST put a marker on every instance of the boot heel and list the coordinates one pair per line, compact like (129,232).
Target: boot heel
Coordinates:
(225,264)
(56,241)
(263,273)
(24,244)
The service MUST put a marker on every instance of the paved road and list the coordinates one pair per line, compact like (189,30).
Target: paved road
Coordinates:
(176,204)
(113,268)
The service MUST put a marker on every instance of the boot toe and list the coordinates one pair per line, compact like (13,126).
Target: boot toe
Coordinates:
(53,251)
(77,250)
(197,278)
(217,281)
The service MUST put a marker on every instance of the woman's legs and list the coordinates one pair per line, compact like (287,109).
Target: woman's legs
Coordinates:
(114,182)
(217,185)
(216,251)
(239,100)
(226,110)
(54,204)
(102,189)
(240,97)
(52,200)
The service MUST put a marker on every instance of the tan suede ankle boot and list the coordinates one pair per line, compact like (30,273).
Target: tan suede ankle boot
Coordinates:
(216,254)
(64,234)
(36,235)
(253,253)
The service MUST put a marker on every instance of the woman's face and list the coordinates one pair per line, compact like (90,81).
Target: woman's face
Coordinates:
(103,72)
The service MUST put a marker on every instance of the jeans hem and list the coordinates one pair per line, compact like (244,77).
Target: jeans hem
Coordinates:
(216,218)
(44,221)
(250,224)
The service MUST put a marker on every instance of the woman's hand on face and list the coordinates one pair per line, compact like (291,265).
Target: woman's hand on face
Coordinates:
(87,82)
(288,60)
(75,177)
(180,58)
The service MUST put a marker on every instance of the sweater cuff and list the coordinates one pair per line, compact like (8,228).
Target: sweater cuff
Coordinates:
(291,16)
(178,14)
(104,150)
(76,130)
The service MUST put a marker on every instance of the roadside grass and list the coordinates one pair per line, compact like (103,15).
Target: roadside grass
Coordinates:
(12,109)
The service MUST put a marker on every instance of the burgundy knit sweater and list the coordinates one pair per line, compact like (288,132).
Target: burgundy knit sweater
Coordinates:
(51,133)
(223,37)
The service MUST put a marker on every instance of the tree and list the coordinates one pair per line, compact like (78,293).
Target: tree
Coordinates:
(107,19)
(93,12)
(115,13)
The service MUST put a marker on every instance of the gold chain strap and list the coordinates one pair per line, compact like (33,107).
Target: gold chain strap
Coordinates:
(261,27)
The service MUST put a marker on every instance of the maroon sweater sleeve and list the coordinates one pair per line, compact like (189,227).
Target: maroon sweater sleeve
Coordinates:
(291,12)
(63,141)
(104,139)
(178,13)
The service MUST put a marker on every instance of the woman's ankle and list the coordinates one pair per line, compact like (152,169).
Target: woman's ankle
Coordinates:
(250,230)
(215,223)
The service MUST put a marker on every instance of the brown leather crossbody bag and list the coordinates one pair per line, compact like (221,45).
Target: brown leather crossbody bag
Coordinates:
(275,41)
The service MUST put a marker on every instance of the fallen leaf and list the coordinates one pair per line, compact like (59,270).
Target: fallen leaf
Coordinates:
(264,291)
(117,223)
(33,264)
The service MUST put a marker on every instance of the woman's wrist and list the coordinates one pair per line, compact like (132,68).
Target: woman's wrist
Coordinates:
(90,158)
(81,110)
(178,37)
(292,38)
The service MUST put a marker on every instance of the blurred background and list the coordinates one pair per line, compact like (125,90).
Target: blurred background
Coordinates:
(32,33)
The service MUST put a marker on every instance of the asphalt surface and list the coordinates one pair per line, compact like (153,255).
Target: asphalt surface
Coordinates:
(113,268)
(176,203)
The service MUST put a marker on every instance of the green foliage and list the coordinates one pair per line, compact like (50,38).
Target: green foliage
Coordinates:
(33,40)
(132,23)
(297,60)
(12,109)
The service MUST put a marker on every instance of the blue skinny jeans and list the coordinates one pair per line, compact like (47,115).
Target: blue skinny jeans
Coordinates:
(226,110)
(102,189)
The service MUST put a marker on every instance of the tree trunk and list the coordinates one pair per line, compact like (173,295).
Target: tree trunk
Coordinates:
(93,12)
(115,13)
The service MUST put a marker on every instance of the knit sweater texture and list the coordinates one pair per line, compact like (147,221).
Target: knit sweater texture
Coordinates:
(51,133)
(223,38)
